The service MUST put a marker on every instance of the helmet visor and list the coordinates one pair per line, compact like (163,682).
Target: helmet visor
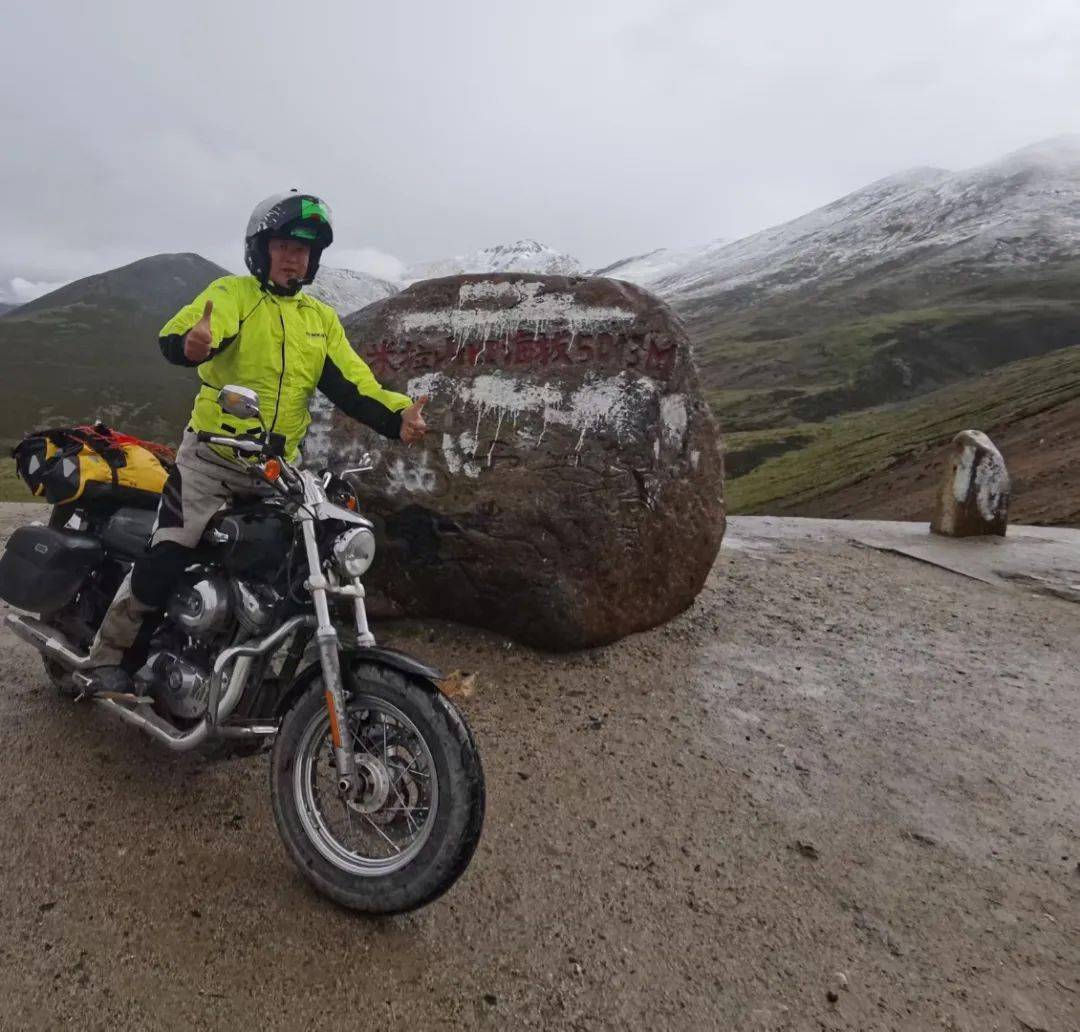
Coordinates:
(314,209)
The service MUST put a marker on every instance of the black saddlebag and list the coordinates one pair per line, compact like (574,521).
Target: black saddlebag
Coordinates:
(42,568)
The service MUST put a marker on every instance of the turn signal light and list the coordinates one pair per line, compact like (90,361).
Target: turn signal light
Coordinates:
(272,470)
(350,503)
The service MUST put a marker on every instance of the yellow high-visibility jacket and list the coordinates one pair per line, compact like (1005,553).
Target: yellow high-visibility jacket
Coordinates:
(284,348)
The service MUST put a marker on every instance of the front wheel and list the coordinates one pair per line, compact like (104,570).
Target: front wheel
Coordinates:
(413,827)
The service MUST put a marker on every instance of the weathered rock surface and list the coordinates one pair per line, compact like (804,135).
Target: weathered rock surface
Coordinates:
(974,495)
(570,491)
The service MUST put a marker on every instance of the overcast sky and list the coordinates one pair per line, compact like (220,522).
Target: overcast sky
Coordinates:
(436,127)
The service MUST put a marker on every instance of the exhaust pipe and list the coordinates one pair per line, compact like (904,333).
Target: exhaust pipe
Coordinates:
(47,641)
(52,644)
(157,727)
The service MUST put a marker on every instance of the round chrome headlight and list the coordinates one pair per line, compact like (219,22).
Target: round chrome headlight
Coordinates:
(354,551)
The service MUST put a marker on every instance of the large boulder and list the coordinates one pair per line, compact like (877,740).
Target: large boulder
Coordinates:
(974,495)
(570,491)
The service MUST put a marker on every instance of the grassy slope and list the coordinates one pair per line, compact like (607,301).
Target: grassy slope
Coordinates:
(89,351)
(804,356)
(815,391)
(12,489)
(86,362)
(844,450)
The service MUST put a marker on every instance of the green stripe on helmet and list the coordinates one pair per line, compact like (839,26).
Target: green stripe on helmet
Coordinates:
(313,209)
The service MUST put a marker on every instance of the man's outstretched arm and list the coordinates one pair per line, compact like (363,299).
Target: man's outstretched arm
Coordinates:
(350,384)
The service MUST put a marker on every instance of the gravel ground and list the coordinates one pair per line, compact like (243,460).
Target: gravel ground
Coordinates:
(839,792)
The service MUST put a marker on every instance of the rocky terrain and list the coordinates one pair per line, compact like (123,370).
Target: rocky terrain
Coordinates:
(839,792)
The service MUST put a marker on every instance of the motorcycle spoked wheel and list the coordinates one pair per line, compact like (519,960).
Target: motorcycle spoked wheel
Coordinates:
(415,826)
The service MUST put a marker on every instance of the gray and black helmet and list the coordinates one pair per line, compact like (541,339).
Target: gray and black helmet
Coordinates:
(291,215)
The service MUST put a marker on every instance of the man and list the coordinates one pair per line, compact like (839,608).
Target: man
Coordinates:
(258,331)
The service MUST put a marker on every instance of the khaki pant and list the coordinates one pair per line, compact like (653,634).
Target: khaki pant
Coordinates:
(201,482)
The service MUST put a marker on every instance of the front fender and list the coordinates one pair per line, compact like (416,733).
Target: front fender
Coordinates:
(398,660)
(377,656)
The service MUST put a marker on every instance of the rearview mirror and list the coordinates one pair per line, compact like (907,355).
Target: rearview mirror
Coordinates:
(241,402)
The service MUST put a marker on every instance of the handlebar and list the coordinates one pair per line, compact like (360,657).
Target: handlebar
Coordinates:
(239,443)
(268,448)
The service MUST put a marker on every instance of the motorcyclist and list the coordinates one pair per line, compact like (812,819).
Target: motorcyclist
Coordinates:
(259,331)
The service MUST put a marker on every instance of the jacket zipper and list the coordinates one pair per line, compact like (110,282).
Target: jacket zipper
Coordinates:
(281,378)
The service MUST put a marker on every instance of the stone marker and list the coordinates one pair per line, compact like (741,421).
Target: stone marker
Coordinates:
(974,496)
(570,490)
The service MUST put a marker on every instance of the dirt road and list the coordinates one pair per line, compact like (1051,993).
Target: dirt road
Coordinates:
(837,761)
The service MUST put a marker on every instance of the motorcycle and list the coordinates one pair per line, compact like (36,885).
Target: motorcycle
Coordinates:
(376,782)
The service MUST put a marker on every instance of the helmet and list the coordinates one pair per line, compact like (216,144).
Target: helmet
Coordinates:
(291,215)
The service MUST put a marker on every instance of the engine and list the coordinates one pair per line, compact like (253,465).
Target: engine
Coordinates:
(202,608)
(206,614)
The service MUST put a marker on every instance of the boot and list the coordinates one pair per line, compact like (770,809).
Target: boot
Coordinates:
(119,628)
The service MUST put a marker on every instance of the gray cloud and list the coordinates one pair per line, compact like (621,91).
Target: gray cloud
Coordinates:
(603,129)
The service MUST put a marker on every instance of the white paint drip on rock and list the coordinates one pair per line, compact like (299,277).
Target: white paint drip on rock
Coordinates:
(455,450)
(608,403)
(529,310)
(673,420)
(991,479)
(488,291)
(413,477)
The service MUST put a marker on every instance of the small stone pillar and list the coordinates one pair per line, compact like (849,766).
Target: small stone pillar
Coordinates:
(974,495)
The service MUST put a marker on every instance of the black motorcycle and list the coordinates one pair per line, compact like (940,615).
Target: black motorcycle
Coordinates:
(376,781)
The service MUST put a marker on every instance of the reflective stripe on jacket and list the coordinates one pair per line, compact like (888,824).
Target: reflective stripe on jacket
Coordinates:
(284,348)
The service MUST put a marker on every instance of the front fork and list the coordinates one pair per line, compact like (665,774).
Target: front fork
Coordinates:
(326,637)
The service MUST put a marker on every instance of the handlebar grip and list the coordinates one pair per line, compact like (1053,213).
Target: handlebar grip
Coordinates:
(204,435)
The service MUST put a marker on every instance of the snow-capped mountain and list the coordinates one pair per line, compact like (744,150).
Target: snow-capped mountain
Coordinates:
(1021,210)
(346,290)
(655,267)
(520,256)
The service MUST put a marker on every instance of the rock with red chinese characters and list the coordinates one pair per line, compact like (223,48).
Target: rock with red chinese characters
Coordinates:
(570,490)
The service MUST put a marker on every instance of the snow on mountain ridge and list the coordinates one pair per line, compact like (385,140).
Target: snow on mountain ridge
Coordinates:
(1021,209)
(346,290)
(1057,150)
(525,255)
(654,267)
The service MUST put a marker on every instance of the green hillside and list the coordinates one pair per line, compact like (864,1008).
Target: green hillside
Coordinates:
(89,351)
(816,392)
(794,360)
(828,456)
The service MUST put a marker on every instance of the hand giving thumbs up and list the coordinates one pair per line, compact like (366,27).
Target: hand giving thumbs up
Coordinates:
(413,426)
(200,338)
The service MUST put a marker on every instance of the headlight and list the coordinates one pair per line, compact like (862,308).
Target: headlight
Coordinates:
(354,551)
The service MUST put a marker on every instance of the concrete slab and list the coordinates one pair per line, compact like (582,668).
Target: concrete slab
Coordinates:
(1045,560)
